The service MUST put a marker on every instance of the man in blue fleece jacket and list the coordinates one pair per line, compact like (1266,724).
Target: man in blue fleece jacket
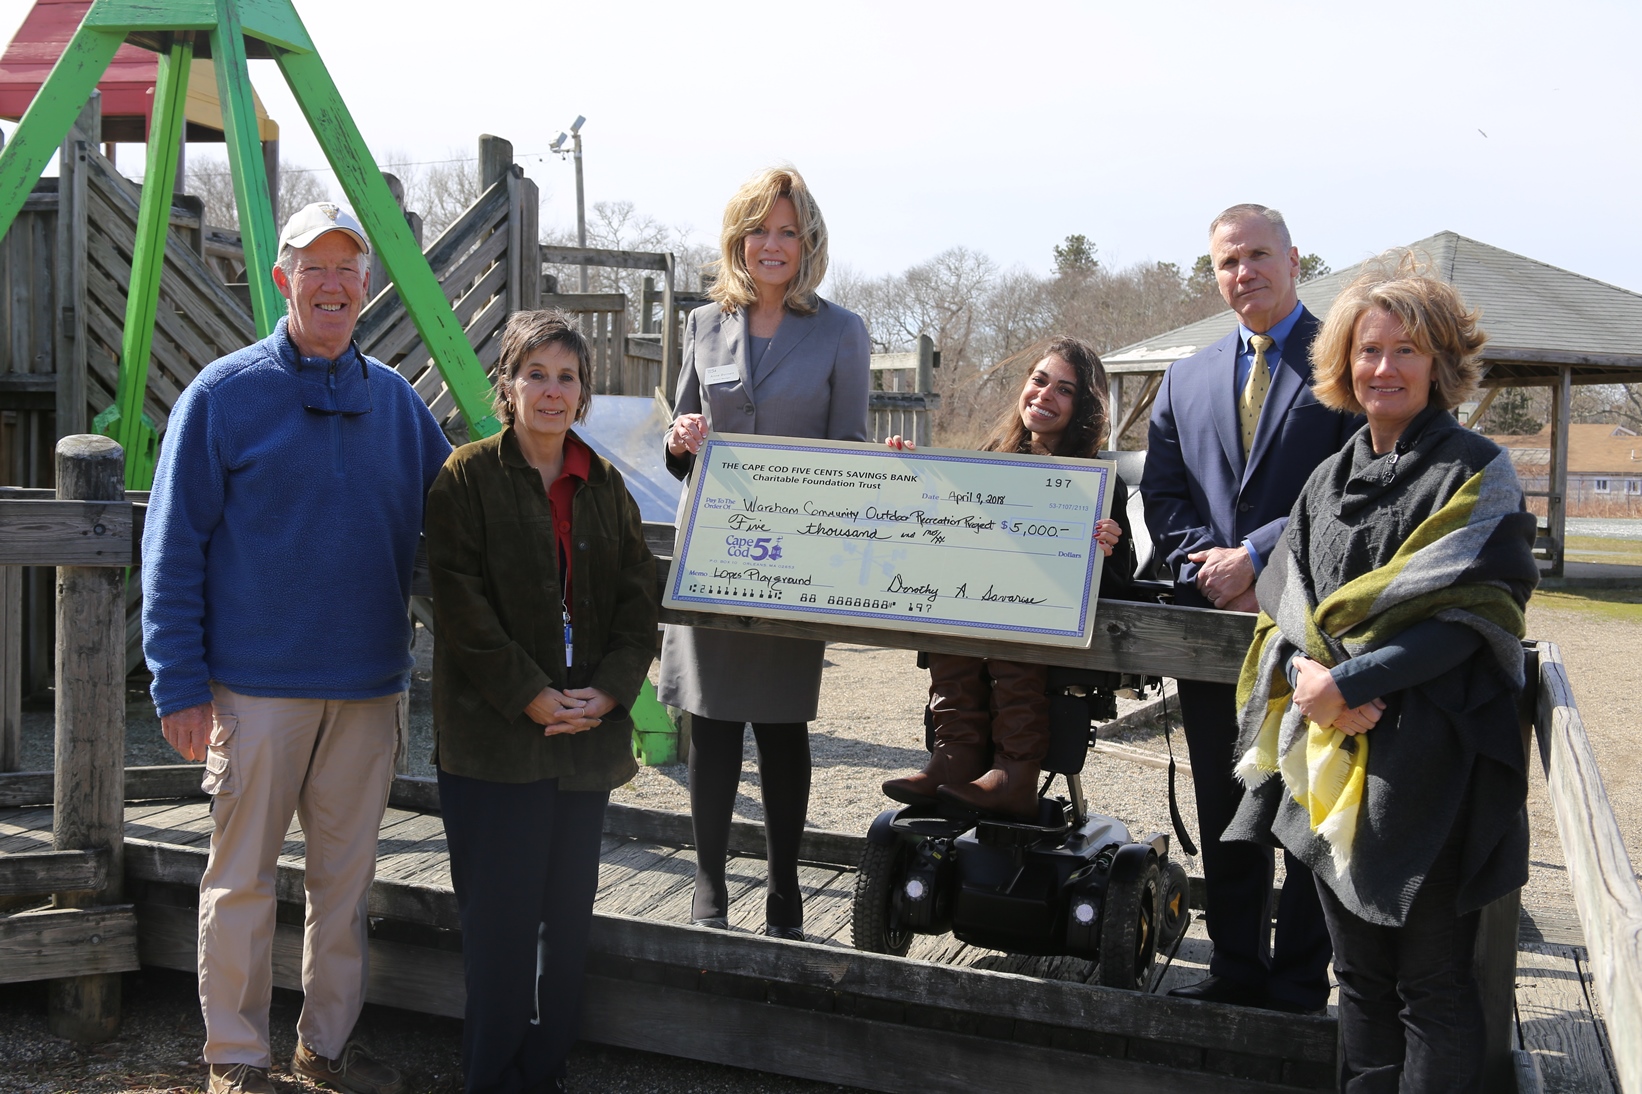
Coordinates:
(276,570)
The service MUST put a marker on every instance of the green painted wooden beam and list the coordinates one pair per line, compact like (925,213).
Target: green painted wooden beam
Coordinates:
(48,119)
(275,22)
(239,118)
(125,421)
(362,182)
(127,15)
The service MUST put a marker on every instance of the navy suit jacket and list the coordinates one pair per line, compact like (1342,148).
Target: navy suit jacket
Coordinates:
(1198,490)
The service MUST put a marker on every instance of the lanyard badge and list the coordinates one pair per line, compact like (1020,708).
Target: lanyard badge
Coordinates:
(568,655)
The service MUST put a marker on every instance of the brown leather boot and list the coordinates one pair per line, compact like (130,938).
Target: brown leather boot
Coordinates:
(1020,741)
(960,706)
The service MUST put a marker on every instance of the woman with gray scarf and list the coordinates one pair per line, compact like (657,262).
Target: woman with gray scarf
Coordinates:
(1379,734)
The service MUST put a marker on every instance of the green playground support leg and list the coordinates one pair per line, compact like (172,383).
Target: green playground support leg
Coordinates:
(48,119)
(362,182)
(125,420)
(256,213)
(655,737)
(276,23)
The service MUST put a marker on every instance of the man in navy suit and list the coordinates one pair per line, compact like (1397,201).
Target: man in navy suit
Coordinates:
(1235,433)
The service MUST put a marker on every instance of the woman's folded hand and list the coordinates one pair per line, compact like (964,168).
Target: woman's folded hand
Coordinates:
(1319,698)
(574,710)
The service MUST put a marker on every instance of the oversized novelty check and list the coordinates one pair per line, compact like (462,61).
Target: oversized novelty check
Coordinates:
(983,543)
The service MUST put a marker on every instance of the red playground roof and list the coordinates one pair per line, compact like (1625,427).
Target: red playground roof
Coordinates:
(127,86)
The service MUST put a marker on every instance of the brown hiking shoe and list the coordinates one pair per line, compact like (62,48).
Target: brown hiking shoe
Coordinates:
(239,1079)
(355,1070)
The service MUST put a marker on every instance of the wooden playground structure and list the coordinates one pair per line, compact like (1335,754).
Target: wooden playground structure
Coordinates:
(99,864)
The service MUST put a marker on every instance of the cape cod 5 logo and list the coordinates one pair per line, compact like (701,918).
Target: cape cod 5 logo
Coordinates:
(754,549)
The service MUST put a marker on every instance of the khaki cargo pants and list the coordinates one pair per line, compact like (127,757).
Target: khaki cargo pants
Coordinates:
(330,762)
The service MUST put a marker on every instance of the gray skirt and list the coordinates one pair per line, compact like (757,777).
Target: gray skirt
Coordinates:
(741,677)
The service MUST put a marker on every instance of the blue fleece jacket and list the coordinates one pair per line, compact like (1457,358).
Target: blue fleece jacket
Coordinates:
(282,527)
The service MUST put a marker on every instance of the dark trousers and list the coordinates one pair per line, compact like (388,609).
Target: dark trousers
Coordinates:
(1410,1010)
(784,779)
(524,861)
(1238,876)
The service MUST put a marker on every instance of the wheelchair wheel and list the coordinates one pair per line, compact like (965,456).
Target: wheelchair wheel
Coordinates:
(1129,929)
(874,926)
(1177,905)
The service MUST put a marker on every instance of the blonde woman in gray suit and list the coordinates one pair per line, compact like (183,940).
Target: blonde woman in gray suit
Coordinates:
(769,356)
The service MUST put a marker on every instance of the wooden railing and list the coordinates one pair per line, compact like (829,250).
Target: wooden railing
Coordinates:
(86,938)
(602,319)
(622,365)
(903,394)
(1600,871)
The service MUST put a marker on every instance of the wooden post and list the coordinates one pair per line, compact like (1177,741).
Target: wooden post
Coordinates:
(1556,506)
(379,272)
(672,356)
(89,782)
(495,157)
(647,318)
(1494,963)
(69,337)
(1114,410)
(257,230)
(402,740)
(530,243)
(923,419)
(11,668)
(517,259)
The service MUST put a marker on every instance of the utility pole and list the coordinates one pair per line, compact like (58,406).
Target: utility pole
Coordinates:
(575,137)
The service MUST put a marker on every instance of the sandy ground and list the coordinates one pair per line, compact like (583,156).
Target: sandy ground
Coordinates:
(871,729)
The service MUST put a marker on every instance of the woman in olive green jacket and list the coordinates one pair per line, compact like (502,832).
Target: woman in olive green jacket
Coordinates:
(545,614)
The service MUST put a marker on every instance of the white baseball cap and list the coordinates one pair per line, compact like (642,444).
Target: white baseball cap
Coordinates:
(312,221)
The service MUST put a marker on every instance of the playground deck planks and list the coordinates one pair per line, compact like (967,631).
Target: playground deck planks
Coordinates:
(643,879)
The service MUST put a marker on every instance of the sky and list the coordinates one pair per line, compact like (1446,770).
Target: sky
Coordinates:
(1005,127)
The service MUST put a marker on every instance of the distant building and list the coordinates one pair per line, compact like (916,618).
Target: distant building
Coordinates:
(1604,469)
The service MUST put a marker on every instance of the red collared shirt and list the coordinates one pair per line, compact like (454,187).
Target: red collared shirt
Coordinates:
(578,458)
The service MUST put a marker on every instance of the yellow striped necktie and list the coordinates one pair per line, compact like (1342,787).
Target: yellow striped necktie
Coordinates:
(1254,391)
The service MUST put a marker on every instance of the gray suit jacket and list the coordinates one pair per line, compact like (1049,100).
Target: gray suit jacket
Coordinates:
(811,382)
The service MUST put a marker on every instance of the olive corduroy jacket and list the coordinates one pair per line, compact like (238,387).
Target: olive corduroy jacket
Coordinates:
(497,612)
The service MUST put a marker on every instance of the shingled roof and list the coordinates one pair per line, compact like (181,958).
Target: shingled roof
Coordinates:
(1534,313)
(1592,450)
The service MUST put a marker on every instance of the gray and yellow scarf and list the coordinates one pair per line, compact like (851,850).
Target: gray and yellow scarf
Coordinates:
(1338,586)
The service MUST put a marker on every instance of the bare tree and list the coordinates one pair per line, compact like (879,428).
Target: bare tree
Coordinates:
(620,226)
(1627,406)
(210,180)
(440,190)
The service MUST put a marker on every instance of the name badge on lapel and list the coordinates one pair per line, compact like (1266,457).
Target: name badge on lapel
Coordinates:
(723,374)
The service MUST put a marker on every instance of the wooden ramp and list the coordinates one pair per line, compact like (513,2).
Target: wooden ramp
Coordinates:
(950,1017)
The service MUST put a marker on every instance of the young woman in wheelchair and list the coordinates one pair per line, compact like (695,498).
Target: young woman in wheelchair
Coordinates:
(990,717)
